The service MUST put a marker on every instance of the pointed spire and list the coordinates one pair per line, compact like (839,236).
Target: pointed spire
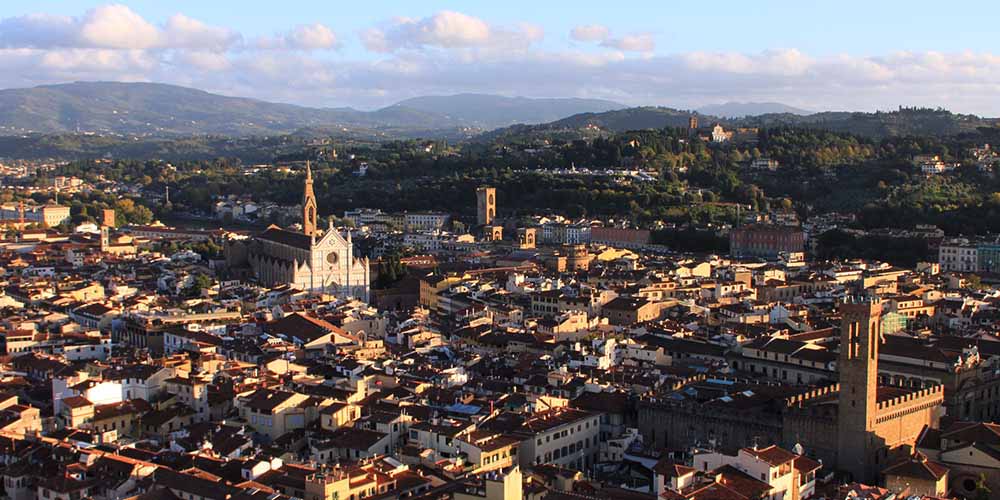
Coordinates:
(309,204)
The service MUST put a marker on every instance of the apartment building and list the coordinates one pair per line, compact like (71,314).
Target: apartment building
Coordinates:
(568,437)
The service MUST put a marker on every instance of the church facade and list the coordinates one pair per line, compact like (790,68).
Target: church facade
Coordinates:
(311,260)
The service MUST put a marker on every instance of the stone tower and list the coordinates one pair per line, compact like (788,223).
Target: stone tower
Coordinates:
(526,237)
(493,233)
(692,122)
(860,337)
(108,217)
(486,205)
(105,238)
(309,205)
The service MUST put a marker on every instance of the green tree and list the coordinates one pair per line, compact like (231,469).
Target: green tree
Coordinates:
(201,282)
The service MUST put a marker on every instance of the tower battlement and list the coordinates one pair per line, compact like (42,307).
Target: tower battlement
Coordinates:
(861,300)
(929,394)
(800,399)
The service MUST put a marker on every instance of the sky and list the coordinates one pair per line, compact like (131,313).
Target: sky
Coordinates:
(814,54)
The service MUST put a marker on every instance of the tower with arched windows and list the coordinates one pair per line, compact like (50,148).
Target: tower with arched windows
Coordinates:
(486,205)
(309,205)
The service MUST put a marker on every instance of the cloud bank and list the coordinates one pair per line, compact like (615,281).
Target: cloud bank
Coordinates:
(449,52)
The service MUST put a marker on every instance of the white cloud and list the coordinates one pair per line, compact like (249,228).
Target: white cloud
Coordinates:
(305,37)
(449,52)
(313,36)
(116,26)
(205,60)
(37,31)
(112,26)
(29,67)
(631,43)
(778,62)
(447,30)
(374,40)
(590,33)
(636,42)
(531,32)
(965,82)
(184,32)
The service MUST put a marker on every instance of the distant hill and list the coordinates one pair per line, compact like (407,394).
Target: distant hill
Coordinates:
(905,121)
(155,109)
(902,122)
(159,110)
(147,108)
(627,119)
(742,109)
(164,110)
(491,111)
(590,125)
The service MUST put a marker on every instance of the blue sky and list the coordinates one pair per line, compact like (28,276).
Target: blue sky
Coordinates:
(819,55)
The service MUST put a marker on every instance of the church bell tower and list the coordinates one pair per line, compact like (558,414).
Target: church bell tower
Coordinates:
(309,205)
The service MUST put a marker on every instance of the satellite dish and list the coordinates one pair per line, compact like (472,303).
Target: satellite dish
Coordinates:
(798,449)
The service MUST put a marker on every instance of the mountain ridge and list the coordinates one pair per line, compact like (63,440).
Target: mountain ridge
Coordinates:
(487,109)
(162,110)
(880,124)
(736,109)
(157,109)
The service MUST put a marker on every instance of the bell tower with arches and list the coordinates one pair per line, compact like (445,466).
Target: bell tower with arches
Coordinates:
(309,205)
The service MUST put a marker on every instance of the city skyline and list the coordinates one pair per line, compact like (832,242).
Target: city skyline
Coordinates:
(848,56)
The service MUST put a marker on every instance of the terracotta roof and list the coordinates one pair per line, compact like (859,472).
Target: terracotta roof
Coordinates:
(737,480)
(204,488)
(626,304)
(286,237)
(303,327)
(76,402)
(773,455)
(266,400)
(919,467)
(805,464)
(355,439)
(670,469)
(980,432)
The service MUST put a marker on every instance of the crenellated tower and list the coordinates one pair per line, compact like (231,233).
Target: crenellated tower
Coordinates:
(860,338)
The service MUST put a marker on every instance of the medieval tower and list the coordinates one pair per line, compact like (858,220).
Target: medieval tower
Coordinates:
(105,238)
(860,337)
(108,217)
(486,205)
